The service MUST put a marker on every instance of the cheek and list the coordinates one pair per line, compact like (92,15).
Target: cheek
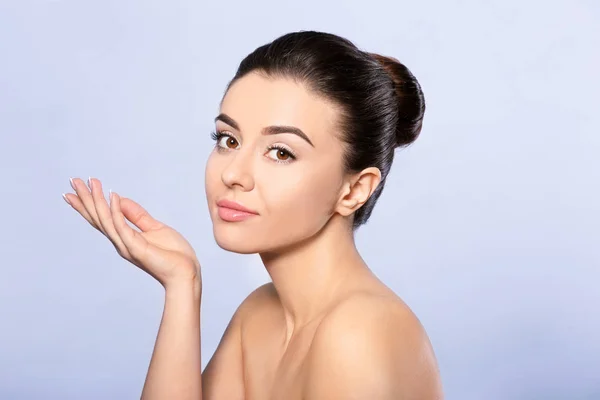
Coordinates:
(303,197)
(211,176)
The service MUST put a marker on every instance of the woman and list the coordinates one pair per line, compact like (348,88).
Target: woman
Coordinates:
(305,139)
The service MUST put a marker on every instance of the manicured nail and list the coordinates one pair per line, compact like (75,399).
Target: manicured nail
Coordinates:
(110,194)
(72,184)
(67,200)
(90,182)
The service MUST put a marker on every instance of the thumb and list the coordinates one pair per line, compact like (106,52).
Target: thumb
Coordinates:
(138,215)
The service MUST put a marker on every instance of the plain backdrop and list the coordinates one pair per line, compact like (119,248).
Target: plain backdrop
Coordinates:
(488,226)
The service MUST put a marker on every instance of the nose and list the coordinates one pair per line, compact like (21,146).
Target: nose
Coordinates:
(239,171)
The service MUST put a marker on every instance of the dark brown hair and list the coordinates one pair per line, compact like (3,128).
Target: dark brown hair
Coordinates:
(381,102)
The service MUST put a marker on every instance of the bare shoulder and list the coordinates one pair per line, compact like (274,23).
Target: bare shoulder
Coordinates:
(371,345)
(352,313)
(223,377)
(263,299)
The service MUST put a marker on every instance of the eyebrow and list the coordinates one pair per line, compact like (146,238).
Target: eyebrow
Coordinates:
(269,130)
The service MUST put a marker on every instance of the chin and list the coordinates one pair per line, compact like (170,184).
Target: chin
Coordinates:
(234,238)
(235,247)
(249,239)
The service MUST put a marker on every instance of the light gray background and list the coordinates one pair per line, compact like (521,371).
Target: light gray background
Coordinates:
(488,226)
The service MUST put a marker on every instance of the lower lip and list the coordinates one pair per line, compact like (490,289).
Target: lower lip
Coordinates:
(231,215)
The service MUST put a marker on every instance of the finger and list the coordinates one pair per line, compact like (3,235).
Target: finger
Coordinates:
(86,198)
(135,244)
(138,215)
(76,203)
(105,218)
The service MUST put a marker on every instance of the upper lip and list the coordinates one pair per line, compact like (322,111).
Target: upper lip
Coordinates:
(234,206)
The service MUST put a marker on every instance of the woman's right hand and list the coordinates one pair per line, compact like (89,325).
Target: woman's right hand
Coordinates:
(158,249)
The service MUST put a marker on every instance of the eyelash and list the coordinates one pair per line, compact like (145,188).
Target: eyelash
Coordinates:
(218,135)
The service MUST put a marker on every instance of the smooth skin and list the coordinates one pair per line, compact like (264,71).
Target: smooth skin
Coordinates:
(326,327)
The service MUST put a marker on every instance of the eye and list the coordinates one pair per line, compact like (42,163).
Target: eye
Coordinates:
(228,142)
(281,154)
(225,141)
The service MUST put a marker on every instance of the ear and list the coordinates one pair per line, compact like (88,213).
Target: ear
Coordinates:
(358,190)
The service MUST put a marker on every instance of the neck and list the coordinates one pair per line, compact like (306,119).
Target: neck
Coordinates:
(310,276)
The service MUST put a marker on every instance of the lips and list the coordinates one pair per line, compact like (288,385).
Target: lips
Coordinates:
(231,211)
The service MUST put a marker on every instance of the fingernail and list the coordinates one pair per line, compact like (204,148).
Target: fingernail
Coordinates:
(72,184)
(90,182)
(67,200)
(110,195)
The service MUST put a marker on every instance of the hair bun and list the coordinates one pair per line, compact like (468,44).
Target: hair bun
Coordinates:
(410,99)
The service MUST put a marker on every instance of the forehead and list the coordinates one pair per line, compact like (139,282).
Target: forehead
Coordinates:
(255,101)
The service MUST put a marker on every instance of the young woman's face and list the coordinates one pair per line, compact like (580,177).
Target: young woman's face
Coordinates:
(290,181)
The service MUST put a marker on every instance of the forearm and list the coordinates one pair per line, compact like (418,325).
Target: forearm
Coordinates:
(175,367)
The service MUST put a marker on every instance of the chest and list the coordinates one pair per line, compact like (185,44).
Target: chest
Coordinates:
(273,369)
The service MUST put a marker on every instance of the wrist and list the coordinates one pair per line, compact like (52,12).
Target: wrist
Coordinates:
(192,286)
